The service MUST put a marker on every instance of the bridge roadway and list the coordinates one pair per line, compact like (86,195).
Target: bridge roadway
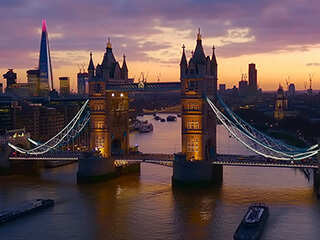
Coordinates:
(221,159)
(167,159)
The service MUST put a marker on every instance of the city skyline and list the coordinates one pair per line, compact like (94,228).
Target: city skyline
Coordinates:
(281,38)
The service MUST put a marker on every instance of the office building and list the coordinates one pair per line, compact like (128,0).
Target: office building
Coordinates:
(45,68)
(83,83)
(64,86)
(34,82)
(253,87)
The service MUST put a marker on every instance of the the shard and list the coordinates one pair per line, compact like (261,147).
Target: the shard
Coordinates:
(45,69)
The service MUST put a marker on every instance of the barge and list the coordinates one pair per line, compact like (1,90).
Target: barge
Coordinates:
(252,223)
(24,208)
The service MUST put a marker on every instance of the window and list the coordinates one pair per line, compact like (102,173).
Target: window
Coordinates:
(99,142)
(99,124)
(196,145)
(192,145)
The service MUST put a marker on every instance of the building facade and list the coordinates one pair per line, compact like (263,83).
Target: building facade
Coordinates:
(83,83)
(33,82)
(198,81)
(45,68)
(11,77)
(252,73)
(64,86)
(109,112)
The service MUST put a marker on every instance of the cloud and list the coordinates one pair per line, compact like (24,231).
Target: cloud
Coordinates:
(313,64)
(149,31)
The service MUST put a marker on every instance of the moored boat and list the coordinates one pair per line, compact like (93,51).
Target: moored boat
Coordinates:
(145,127)
(24,208)
(252,223)
(171,118)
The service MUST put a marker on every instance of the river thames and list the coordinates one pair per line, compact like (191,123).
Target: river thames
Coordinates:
(144,206)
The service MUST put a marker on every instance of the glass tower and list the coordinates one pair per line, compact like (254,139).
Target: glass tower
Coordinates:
(45,69)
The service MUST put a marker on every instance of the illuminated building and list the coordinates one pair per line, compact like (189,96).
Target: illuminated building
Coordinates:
(33,81)
(8,112)
(198,79)
(281,107)
(64,86)
(45,68)
(109,112)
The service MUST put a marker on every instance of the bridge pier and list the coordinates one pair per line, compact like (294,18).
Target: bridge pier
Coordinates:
(194,173)
(95,168)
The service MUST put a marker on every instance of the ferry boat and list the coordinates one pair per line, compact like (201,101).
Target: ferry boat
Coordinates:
(145,127)
(24,208)
(171,118)
(252,223)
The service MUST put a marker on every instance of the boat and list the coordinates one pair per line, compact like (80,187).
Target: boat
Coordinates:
(252,223)
(24,208)
(171,118)
(145,127)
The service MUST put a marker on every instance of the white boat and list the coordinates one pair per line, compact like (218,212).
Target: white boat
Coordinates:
(145,127)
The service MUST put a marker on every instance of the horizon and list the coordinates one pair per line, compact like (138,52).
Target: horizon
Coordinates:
(281,38)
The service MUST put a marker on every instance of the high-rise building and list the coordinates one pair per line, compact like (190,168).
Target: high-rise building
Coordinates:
(252,77)
(64,85)
(8,112)
(45,68)
(243,88)
(292,89)
(33,81)
(11,77)
(83,83)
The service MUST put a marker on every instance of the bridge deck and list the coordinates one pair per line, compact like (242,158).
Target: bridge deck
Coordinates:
(167,159)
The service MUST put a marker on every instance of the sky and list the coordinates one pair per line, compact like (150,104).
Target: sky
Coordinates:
(281,37)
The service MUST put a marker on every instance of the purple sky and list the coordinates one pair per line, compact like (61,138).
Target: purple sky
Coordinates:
(272,25)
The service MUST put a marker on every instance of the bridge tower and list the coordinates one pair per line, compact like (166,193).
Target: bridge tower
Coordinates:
(198,79)
(109,116)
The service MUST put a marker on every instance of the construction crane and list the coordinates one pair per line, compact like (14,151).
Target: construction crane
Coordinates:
(287,82)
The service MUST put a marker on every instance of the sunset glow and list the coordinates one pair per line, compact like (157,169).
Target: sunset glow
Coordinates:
(281,38)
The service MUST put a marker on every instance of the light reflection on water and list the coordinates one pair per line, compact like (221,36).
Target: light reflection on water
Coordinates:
(144,206)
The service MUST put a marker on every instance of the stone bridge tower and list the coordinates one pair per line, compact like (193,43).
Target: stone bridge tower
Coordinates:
(198,80)
(109,111)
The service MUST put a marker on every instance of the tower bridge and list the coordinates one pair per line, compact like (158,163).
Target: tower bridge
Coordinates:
(198,163)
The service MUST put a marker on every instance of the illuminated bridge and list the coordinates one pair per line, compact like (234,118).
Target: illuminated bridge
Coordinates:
(270,152)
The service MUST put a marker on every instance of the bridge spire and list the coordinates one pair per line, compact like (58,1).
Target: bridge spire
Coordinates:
(183,61)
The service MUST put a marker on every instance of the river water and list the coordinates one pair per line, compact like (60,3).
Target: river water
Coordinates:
(144,206)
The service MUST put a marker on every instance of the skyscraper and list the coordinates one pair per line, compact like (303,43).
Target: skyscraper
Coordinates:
(83,81)
(253,77)
(64,86)
(33,81)
(45,69)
